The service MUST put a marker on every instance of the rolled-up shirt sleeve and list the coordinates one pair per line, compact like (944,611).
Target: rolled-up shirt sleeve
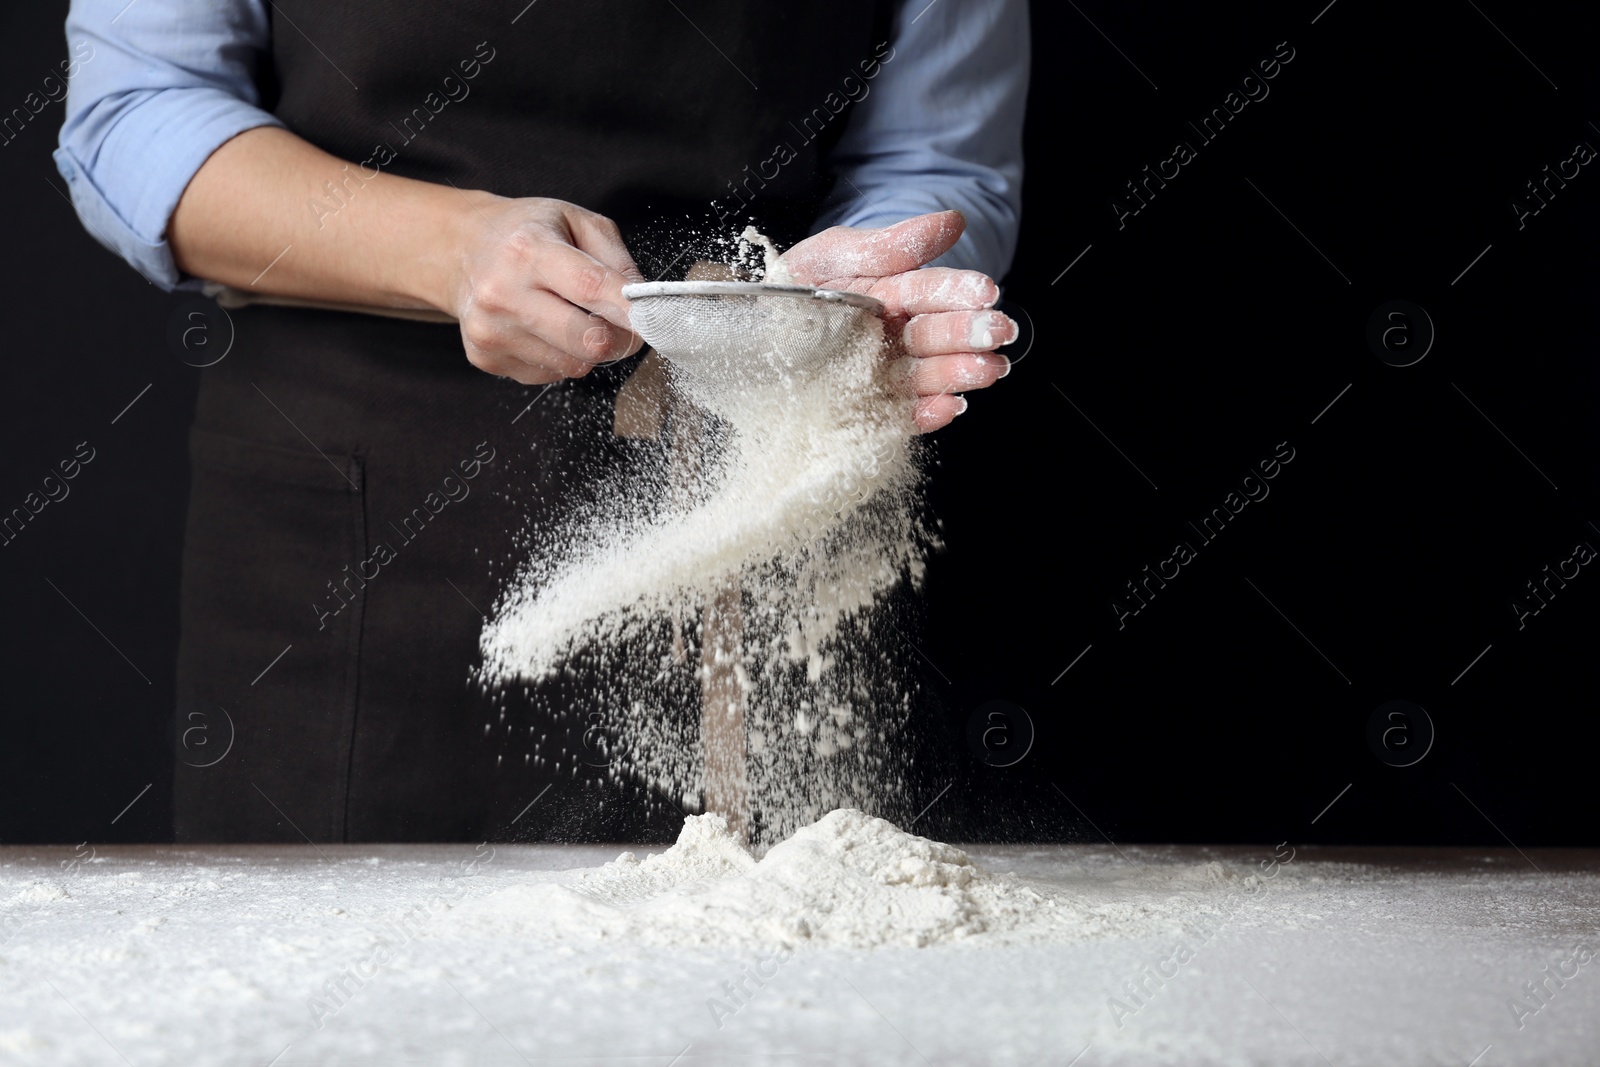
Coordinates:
(941,128)
(160,85)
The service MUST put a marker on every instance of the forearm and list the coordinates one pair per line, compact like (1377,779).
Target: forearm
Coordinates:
(259,216)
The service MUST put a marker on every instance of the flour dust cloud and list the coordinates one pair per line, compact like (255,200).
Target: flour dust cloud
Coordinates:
(740,563)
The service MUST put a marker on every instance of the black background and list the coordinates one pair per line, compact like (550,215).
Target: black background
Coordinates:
(1208,329)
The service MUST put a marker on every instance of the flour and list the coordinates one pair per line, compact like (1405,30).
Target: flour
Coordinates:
(1409,958)
(848,880)
(794,498)
(775,270)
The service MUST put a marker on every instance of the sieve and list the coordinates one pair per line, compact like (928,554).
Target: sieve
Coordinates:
(748,332)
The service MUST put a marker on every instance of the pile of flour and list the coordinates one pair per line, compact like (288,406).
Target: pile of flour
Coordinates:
(797,503)
(847,880)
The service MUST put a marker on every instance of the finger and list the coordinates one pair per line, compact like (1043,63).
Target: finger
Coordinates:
(934,375)
(508,351)
(516,370)
(932,412)
(958,331)
(845,253)
(581,279)
(601,238)
(532,374)
(933,289)
(584,335)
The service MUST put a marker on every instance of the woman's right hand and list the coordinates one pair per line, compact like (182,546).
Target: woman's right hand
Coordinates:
(535,283)
(538,289)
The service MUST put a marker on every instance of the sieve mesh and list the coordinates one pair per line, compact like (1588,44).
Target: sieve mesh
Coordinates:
(748,332)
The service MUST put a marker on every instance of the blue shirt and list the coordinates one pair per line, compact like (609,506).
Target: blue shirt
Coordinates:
(170,81)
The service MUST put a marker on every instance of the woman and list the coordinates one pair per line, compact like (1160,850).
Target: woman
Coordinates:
(359,478)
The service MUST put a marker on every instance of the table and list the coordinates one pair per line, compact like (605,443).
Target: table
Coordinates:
(260,955)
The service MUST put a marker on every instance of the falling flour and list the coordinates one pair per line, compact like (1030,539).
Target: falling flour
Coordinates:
(773,267)
(790,506)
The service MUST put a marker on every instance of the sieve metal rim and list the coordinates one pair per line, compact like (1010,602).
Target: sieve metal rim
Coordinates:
(645,290)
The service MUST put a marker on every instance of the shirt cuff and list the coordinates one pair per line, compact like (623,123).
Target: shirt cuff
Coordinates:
(161,148)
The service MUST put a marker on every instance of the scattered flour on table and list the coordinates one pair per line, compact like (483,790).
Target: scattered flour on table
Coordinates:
(789,505)
(1390,961)
(848,880)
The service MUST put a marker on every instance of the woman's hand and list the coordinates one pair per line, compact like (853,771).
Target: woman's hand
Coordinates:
(941,319)
(539,292)
(536,284)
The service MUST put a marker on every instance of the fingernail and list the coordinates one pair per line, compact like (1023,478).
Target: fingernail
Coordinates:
(983,330)
(963,408)
(993,359)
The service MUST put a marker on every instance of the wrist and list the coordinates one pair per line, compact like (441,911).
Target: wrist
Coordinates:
(444,227)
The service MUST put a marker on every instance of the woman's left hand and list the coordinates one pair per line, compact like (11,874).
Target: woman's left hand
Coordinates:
(941,319)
